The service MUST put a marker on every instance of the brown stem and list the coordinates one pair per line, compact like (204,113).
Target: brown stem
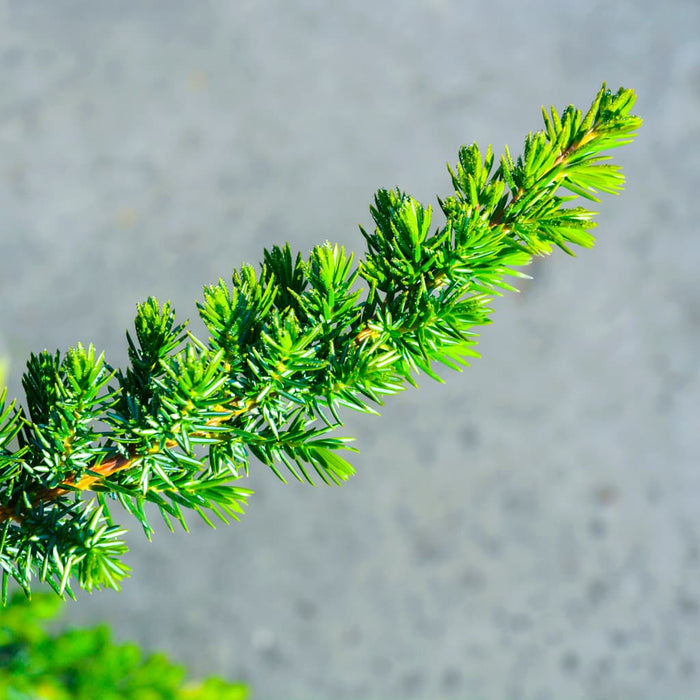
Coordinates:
(497,218)
(99,472)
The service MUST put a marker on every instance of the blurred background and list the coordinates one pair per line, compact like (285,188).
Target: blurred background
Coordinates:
(530,529)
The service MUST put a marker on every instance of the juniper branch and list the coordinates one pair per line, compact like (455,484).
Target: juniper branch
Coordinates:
(289,347)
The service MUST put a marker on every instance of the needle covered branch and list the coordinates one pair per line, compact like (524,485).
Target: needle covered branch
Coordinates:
(290,345)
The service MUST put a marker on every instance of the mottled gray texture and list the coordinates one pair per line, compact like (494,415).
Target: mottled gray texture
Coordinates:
(531,529)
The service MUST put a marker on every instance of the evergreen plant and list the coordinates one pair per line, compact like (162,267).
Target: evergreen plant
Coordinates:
(290,345)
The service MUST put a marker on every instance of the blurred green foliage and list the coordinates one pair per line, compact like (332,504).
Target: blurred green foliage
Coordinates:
(85,664)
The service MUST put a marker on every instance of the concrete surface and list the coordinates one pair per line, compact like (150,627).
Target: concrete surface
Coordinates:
(531,529)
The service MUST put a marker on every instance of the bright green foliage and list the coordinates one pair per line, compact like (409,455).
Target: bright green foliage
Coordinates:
(288,347)
(84,663)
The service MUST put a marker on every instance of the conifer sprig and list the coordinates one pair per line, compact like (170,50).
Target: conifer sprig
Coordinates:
(289,347)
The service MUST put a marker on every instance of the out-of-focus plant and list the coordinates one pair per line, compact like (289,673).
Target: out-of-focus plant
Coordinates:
(85,664)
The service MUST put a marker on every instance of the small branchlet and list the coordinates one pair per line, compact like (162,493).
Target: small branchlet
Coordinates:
(288,348)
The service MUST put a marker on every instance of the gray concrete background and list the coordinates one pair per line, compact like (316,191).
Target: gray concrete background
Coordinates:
(531,529)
